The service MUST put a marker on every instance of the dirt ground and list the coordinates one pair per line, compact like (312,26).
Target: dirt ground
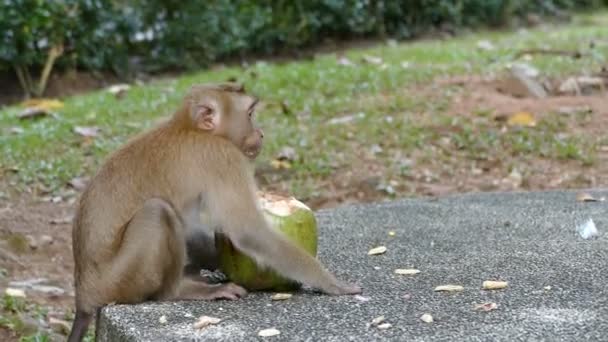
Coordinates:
(46,225)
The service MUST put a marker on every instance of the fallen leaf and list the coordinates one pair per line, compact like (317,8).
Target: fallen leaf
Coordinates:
(427,318)
(585,197)
(118,90)
(14,292)
(372,59)
(281,296)
(377,250)
(287,153)
(384,326)
(345,61)
(280,164)
(485,45)
(486,306)
(33,113)
(407,271)
(449,288)
(377,320)
(522,119)
(268,332)
(44,104)
(205,321)
(78,183)
(59,325)
(16,130)
(62,220)
(86,131)
(494,285)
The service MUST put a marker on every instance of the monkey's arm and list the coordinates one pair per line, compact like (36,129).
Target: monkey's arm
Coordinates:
(235,210)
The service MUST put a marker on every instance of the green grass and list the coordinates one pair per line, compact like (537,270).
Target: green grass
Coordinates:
(48,153)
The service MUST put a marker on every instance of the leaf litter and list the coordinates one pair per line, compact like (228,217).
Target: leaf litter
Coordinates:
(377,250)
(205,321)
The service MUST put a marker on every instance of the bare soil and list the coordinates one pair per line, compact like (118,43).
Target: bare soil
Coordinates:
(32,217)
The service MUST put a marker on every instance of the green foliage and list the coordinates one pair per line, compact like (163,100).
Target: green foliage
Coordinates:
(171,34)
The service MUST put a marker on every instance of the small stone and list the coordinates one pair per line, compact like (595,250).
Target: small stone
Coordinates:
(362,298)
(427,318)
(377,320)
(162,319)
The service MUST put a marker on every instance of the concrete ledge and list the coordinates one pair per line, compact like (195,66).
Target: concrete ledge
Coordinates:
(527,239)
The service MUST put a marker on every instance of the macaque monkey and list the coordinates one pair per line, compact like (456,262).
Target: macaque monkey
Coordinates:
(130,228)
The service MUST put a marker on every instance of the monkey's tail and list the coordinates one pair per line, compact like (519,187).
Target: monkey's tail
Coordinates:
(80,326)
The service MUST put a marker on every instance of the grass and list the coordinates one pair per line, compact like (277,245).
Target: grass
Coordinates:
(387,110)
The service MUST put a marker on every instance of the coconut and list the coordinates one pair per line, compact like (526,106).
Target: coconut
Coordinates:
(286,215)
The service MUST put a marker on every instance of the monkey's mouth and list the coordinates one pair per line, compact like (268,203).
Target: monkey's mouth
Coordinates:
(251,154)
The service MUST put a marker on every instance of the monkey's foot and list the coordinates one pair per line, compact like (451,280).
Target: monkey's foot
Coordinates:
(230,291)
(190,289)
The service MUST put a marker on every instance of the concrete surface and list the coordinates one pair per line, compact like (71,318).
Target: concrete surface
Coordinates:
(527,239)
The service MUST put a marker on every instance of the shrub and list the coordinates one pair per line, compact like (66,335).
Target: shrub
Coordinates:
(162,34)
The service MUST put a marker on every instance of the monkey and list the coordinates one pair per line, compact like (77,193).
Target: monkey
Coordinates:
(131,221)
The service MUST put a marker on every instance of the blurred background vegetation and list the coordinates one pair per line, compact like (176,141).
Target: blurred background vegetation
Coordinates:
(126,37)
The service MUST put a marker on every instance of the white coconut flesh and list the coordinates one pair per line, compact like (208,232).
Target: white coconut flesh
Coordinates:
(280,205)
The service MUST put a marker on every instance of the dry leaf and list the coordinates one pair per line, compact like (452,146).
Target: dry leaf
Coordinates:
(377,320)
(33,113)
(449,288)
(59,325)
(14,292)
(384,326)
(268,332)
(372,59)
(377,250)
(78,183)
(280,164)
(522,119)
(585,197)
(118,90)
(407,271)
(43,104)
(205,321)
(345,61)
(86,131)
(427,318)
(281,296)
(486,306)
(494,285)
(16,130)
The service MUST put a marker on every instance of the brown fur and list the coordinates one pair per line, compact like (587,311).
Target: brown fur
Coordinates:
(129,230)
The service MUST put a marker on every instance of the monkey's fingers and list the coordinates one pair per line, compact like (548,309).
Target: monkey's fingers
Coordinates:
(229,291)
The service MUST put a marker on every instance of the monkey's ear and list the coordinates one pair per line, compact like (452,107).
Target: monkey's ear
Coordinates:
(205,117)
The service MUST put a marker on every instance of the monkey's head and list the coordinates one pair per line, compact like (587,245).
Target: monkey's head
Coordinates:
(226,110)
